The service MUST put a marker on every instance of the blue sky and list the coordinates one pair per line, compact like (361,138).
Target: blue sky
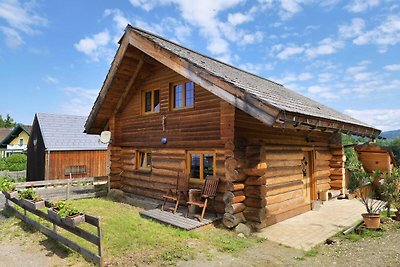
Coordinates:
(54,55)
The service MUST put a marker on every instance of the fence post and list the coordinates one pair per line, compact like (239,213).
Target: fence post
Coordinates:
(68,185)
(100,244)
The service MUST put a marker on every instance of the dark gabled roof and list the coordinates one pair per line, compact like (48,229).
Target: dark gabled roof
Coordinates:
(252,87)
(14,132)
(65,132)
(4,132)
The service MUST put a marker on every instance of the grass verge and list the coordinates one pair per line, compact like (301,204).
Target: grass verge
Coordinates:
(130,239)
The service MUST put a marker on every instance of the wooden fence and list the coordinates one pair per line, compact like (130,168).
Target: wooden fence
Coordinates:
(74,188)
(52,233)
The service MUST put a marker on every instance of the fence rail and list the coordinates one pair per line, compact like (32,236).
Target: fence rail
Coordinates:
(74,188)
(92,238)
(15,174)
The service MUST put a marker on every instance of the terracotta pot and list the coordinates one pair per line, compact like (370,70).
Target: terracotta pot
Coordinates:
(372,221)
(397,216)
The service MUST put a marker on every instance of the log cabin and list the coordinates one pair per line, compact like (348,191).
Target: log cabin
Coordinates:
(171,109)
(59,149)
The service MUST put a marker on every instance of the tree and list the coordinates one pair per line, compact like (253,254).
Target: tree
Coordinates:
(8,122)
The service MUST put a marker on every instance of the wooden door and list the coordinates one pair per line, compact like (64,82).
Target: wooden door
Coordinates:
(307,165)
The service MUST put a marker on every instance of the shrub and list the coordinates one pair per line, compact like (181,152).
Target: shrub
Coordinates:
(7,186)
(15,162)
(64,209)
(29,194)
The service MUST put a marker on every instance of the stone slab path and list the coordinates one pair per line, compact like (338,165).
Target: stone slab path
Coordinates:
(314,227)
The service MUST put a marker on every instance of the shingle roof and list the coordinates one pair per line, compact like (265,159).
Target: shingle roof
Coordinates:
(27,128)
(4,132)
(65,132)
(265,90)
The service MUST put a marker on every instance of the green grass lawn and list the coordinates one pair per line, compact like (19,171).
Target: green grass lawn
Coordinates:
(128,238)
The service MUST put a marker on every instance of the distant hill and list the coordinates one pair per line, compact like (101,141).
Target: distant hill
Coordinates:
(391,134)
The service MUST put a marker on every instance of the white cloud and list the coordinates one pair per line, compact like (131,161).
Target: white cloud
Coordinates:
(326,77)
(355,28)
(384,35)
(13,38)
(80,100)
(305,76)
(290,51)
(251,38)
(50,79)
(238,18)
(95,47)
(384,119)
(362,76)
(357,6)
(289,8)
(20,18)
(355,69)
(393,67)
(326,46)
(218,46)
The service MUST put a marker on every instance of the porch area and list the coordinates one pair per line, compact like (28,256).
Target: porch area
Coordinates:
(178,219)
(314,227)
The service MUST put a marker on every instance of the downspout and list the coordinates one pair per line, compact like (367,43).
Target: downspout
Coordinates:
(48,165)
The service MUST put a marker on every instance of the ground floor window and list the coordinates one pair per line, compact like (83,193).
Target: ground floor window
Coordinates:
(75,169)
(200,164)
(143,160)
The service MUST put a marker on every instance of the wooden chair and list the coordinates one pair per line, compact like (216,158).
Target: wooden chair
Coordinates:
(209,191)
(175,194)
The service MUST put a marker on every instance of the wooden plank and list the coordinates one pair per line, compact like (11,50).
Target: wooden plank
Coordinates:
(87,254)
(75,230)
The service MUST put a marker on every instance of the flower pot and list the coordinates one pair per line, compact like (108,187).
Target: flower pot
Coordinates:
(32,205)
(397,216)
(73,221)
(10,195)
(372,221)
(53,215)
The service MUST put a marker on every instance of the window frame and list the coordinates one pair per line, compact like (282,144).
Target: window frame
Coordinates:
(172,95)
(81,169)
(202,153)
(143,102)
(138,167)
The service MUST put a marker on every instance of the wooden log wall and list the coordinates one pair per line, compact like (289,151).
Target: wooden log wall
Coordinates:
(270,160)
(338,171)
(208,126)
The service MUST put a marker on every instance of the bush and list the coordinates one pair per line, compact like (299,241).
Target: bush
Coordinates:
(15,162)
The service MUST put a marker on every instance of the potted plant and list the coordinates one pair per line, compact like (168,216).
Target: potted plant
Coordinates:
(390,189)
(30,199)
(361,183)
(9,189)
(64,212)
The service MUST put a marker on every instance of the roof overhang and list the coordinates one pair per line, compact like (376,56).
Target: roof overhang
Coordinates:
(268,114)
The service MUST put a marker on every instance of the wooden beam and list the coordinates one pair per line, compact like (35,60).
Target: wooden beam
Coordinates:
(128,87)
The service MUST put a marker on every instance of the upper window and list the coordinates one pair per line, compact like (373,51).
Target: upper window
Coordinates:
(21,141)
(151,101)
(182,95)
(201,164)
(143,160)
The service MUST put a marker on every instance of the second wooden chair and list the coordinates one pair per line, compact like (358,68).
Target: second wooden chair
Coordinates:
(209,191)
